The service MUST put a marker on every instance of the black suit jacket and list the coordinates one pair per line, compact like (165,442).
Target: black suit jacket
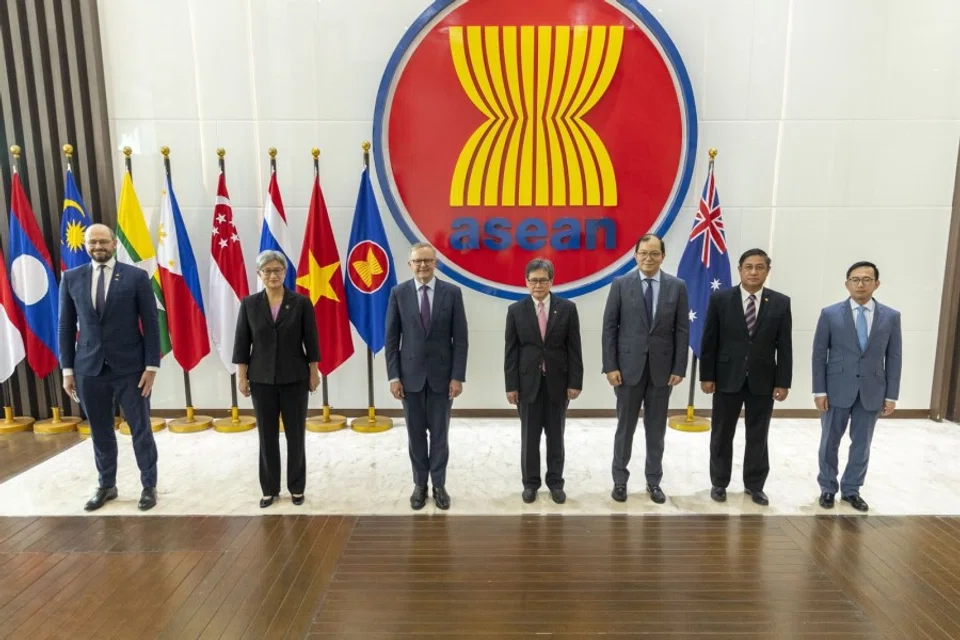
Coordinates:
(525,351)
(729,355)
(276,352)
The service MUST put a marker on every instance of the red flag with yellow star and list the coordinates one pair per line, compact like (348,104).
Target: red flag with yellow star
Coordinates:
(320,279)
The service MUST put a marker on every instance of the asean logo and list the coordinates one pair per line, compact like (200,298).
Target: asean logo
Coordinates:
(368,266)
(509,130)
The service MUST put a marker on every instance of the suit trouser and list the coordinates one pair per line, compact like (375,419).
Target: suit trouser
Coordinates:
(726,414)
(543,414)
(97,395)
(270,402)
(833,424)
(425,412)
(655,401)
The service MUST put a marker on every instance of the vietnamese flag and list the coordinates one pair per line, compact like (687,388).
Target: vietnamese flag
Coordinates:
(320,279)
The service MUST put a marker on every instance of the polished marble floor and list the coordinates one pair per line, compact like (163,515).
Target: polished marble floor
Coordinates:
(913,471)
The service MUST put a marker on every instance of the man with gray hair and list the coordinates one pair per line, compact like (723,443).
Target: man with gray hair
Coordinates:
(543,368)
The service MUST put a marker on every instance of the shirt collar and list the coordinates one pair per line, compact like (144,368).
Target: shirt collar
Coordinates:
(655,277)
(546,301)
(871,305)
(430,285)
(110,264)
(744,294)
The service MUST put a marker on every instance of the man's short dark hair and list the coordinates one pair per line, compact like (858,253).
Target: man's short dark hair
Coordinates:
(539,263)
(864,263)
(749,253)
(651,236)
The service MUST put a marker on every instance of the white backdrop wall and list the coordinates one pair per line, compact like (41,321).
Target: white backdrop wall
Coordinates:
(837,123)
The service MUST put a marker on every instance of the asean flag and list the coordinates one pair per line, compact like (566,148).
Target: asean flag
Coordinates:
(180,280)
(319,278)
(34,285)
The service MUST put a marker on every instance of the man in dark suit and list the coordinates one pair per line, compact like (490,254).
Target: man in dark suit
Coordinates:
(857,361)
(110,302)
(543,367)
(646,335)
(426,353)
(746,359)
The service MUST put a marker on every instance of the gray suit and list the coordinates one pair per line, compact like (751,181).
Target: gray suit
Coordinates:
(646,356)
(856,382)
(425,361)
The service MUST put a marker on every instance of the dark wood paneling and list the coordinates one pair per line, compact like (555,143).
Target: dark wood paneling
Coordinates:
(52,92)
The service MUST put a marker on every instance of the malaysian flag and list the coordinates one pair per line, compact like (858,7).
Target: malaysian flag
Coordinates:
(705,264)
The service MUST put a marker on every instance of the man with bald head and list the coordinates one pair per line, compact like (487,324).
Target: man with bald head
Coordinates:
(111,357)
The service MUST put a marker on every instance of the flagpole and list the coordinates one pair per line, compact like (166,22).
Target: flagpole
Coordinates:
(235,423)
(327,422)
(372,423)
(190,423)
(689,422)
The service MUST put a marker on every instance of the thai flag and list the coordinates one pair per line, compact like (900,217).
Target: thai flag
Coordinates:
(273,232)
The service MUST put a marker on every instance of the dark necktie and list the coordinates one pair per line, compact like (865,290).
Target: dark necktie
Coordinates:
(648,300)
(750,315)
(101,289)
(425,308)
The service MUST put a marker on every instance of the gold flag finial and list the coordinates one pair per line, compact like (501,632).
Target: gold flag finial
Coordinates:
(165,151)
(15,150)
(127,151)
(68,150)
(713,153)
(221,152)
(315,152)
(272,151)
(366,146)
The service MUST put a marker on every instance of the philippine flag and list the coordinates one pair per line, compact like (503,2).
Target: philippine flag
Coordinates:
(180,280)
(273,232)
(34,285)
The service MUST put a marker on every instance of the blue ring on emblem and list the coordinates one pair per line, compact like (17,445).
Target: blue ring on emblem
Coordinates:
(672,208)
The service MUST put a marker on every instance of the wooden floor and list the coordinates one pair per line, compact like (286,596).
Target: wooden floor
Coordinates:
(461,576)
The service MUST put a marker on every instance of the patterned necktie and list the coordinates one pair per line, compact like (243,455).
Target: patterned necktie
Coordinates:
(101,289)
(862,327)
(425,308)
(648,300)
(542,319)
(751,313)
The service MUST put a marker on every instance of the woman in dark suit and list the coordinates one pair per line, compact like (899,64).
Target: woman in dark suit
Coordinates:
(277,351)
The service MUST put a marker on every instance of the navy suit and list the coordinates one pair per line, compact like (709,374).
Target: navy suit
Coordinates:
(856,382)
(108,358)
(425,361)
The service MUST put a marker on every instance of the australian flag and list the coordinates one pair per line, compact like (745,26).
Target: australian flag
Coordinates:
(705,264)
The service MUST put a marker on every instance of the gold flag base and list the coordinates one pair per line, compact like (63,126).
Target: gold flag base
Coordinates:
(236,423)
(56,424)
(84,427)
(689,423)
(14,424)
(156,424)
(327,422)
(372,423)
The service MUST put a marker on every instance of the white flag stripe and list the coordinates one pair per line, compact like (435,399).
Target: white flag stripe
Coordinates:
(223,309)
(12,351)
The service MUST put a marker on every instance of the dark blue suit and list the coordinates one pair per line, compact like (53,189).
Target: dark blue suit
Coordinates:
(425,361)
(108,357)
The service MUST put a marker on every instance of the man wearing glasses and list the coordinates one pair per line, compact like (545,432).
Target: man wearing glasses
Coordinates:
(426,349)
(645,338)
(856,378)
(543,368)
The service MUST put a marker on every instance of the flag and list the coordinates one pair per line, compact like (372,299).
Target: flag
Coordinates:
(319,278)
(228,278)
(181,284)
(273,231)
(705,263)
(11,327)
(134,247)
(73,224)
(33,282)
(369,269)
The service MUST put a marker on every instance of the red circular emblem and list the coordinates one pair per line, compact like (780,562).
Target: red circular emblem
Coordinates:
(368,266)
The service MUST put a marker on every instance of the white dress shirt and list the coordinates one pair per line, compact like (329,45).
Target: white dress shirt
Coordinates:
(757,297)
(656,288)
(546,305)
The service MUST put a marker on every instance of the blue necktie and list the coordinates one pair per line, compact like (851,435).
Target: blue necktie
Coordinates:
(101,290)
(425,308)
(648,300)
(862,327)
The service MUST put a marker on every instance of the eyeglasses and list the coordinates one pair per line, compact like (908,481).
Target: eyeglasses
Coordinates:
(99,243)
(754,267)
(864,281)
(649,254)
(272,272)
(538,280)
(419,261)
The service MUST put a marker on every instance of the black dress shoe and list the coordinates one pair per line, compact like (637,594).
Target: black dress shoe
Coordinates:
(856,502)
(266,502)
(558,496)
(826,500)
(619,492)
(418,499)
(656,494)
(148,499)
(529,495)
(719,494)
(298,500)
(101,497)
(759,496)
(441,498)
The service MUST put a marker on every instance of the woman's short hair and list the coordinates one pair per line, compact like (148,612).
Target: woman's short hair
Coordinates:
(270,255)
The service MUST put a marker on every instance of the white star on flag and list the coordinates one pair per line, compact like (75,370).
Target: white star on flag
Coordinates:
(693,315)
(715,285)
(221,218)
